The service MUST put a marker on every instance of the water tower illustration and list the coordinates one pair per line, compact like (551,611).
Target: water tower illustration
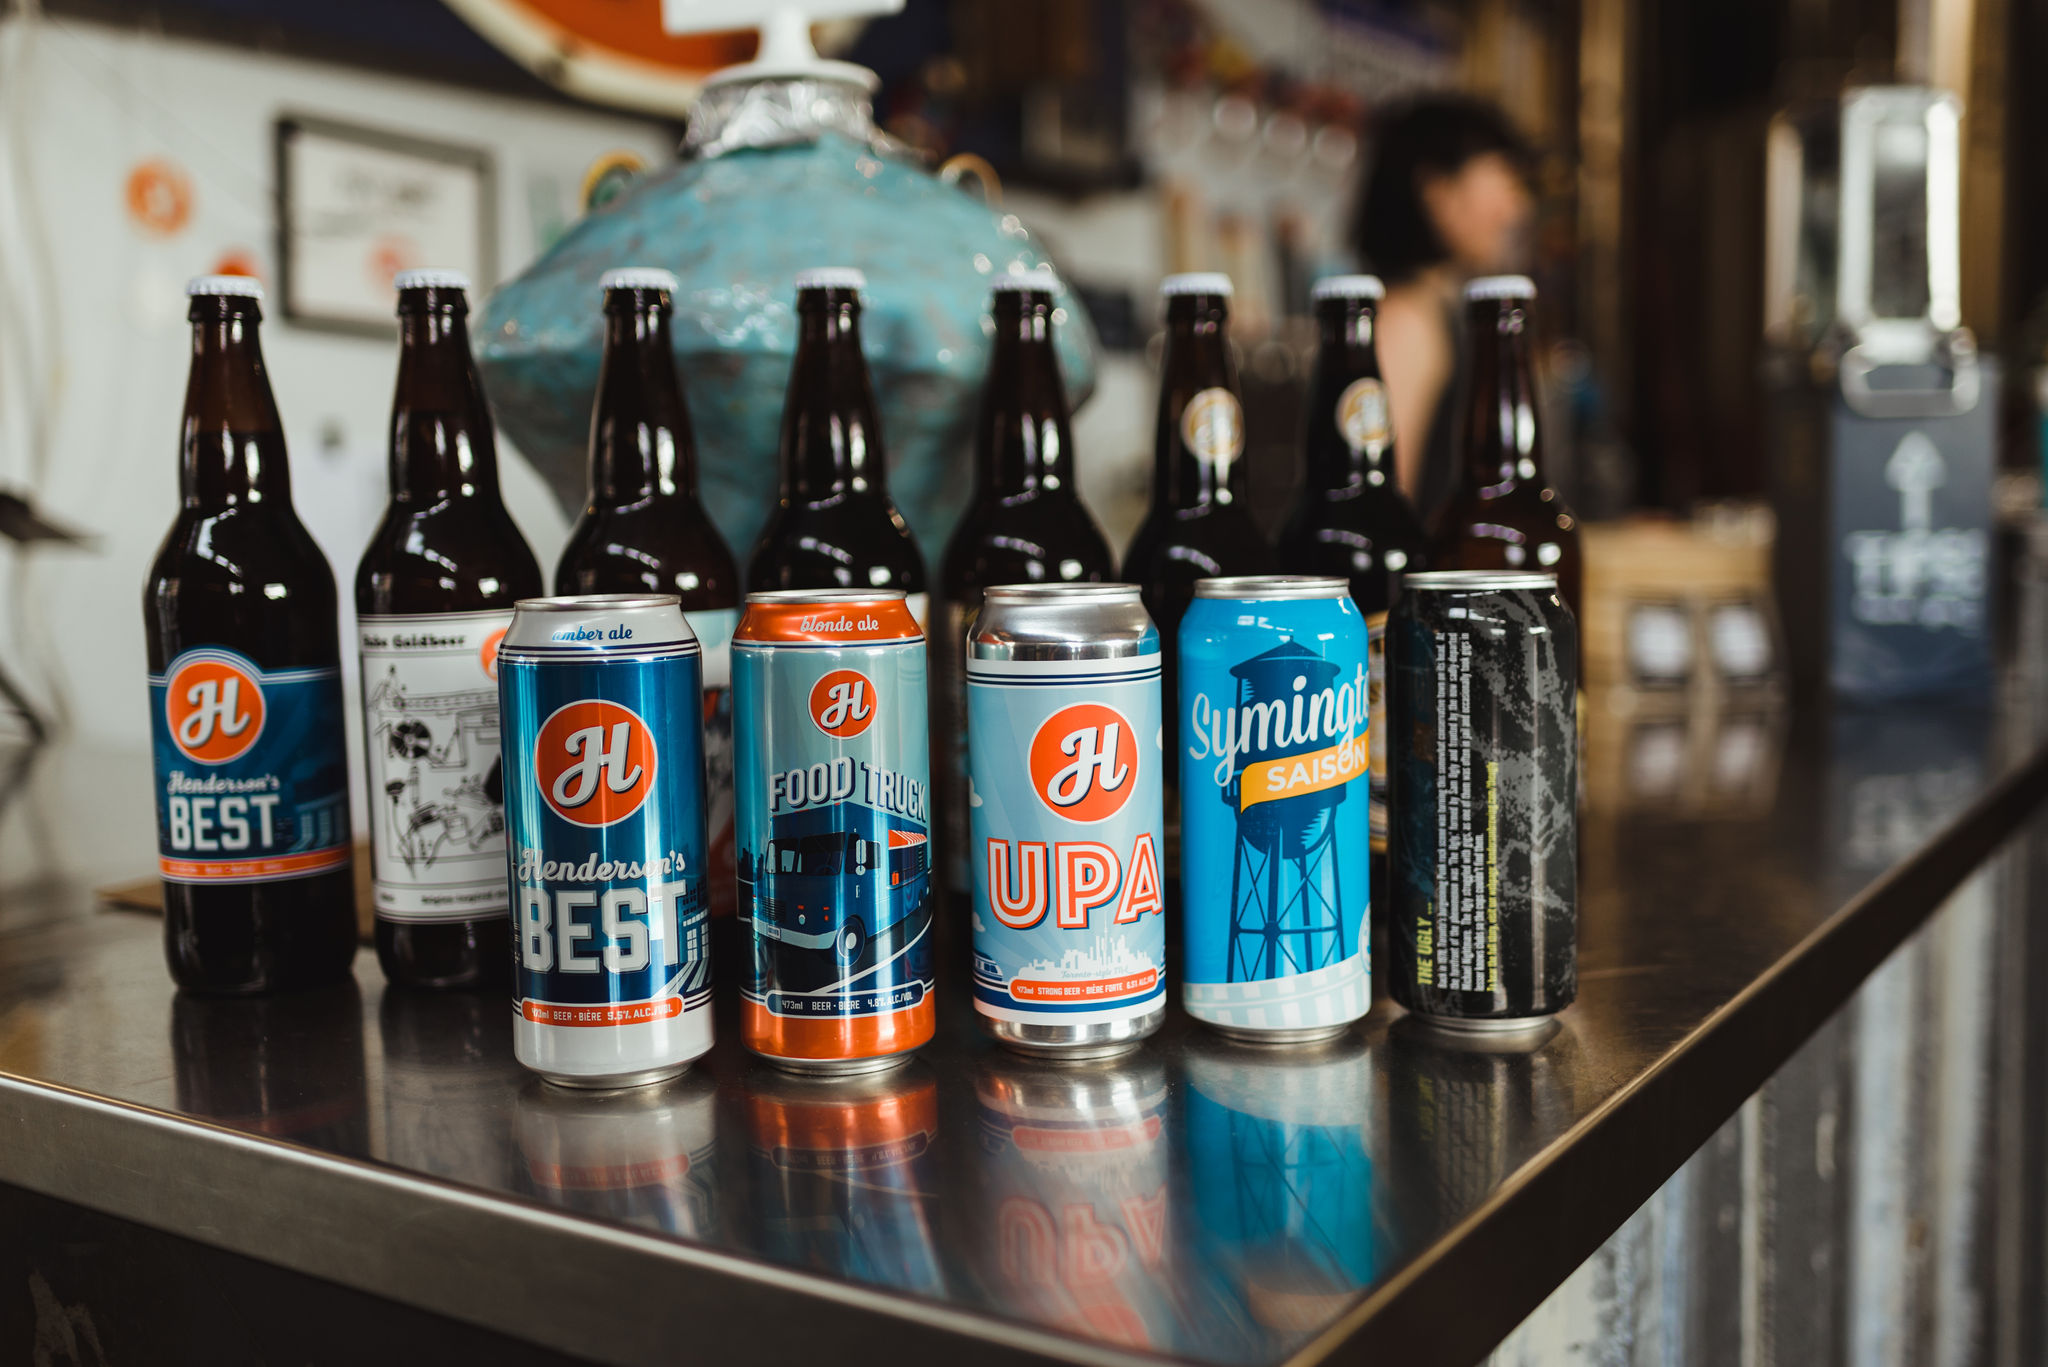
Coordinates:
(1286,903)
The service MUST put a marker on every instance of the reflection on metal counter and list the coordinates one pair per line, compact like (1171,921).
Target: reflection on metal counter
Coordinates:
(1074,1230)
(643,1157)
(447,1062)
(1283,1183)
(1458,1112)
(843,1174)
(290,1067)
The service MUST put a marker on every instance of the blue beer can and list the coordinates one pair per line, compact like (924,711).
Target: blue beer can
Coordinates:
(602,706)
(1275,820)
(1067,818)
(832,814)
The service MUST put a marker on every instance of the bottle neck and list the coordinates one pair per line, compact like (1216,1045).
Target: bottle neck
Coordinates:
(1023,442)
(1350,444)
(831,437)
(1503,450)
(233,443)
(1198,399)
(442,445)
(641,448)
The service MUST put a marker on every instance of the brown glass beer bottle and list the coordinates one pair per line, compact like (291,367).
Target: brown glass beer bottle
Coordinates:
(1503,516)
(1200,524)
(245,689)
(644,530)
(834,525)
(1351,518)
(434,594)
(1025,525)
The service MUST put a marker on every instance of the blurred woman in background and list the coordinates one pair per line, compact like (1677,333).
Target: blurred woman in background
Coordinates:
(1448,199)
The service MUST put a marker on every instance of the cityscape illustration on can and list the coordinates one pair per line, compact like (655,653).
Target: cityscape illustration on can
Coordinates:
(834,828)
(1274,699)
(601,703)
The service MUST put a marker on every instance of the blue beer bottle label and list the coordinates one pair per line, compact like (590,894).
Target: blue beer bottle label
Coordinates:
(251,771)
(1064,801)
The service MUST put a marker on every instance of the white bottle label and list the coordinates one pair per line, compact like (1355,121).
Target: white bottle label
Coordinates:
(430,726)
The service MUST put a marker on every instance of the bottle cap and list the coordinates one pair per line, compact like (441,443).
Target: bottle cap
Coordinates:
(1501,287)
(1041,281)
(246,285)
(1347,287)
(638,278)
(831,278)
(431,280)
(1196,282)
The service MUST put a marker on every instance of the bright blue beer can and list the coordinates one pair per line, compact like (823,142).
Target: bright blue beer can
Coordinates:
(1275,819)
(603,775)
(832,815)
(1067,819)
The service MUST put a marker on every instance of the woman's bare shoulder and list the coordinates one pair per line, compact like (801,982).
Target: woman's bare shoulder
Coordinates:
(1411,326)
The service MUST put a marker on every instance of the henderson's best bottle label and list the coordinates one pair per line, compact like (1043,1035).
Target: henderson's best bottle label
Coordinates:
(252,781)
(430,737)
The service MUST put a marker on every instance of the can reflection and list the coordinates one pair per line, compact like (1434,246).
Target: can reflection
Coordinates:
(287,1066)
(448,1080)
(1283,1184)
(1467,1110)
(642,1156)
(843,1174)
(1075,1231)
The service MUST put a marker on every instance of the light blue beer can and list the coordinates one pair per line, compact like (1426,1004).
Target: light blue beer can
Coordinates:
(1275,819)
(1066,818)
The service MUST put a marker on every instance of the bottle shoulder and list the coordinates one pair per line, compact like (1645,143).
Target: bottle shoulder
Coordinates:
(445,558)
(255,585)
(650,550)
(1217,541)
(847,544)
(1023,541)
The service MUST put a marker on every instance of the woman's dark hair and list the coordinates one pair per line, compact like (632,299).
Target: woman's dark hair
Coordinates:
(1434,135)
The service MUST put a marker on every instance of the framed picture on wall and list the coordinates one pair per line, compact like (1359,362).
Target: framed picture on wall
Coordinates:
(355,206)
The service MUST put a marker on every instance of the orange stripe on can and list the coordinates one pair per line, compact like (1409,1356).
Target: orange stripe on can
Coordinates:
(835,623)
(613,1013)
(838,1037)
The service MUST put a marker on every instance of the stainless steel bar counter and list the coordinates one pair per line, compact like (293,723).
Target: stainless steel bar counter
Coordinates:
(1398,1196)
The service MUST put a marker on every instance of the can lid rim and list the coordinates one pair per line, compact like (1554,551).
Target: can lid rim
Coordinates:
(598,602)
(1444,580)
(800,596)
(1021,593)
(1252,586)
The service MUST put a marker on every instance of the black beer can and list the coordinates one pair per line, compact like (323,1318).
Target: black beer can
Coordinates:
(1482,670)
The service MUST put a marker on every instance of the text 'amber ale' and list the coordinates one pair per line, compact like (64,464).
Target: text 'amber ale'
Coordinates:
(1503,515)
(644,530)
(834,525)
(245,689)
(1026,524)
(434,594)
(1200,524)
